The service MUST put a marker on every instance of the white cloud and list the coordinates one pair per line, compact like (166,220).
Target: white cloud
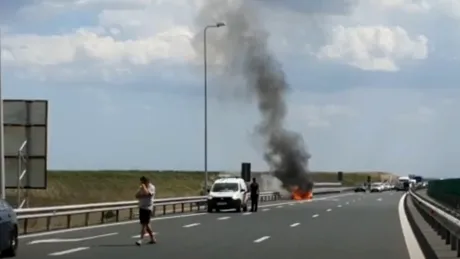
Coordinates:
(35,50)
(421,115)
(374,47)
(410,6)
(320,116)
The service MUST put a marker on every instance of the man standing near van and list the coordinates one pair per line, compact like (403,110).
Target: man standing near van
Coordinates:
(145,195)
(254,187)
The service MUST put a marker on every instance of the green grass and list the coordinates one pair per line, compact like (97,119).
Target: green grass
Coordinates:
(74,187)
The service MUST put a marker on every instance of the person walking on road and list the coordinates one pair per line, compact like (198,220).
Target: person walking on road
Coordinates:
(254,188)
(146,195)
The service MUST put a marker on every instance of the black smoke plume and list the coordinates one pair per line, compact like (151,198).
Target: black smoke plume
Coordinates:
(242,49)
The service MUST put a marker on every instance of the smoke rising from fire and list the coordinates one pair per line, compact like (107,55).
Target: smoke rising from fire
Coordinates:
(242,49)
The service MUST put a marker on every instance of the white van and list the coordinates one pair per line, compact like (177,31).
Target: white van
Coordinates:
(228,193)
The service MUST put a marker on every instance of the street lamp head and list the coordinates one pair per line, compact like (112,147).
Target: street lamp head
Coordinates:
(220,24)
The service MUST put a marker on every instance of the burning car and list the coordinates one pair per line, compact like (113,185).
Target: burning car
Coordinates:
(299,194)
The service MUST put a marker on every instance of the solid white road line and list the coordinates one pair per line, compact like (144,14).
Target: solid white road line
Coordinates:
(279,207)
(192,225)
(69,251)
(294,225)
(62,240)
(413,247)
(261,239)
(314,216)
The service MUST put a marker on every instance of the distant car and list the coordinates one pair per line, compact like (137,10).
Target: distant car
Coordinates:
(8,230)
(377,187)
(360,188)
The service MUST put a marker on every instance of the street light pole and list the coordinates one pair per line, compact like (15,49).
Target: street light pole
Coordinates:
(217,25)
(2,137)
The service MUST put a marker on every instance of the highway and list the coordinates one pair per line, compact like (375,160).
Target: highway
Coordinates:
(348,225)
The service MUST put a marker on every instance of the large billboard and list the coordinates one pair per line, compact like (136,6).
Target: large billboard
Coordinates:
(26,125)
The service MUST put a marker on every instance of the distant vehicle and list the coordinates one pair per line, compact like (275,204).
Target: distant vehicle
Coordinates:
(400,185)
(377,187)
(8,230)
(361,188)
(228,193)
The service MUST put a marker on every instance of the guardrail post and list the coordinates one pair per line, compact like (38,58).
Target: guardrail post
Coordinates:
(182,207)
(174,208)
(48,223)
(458,247)
(447,237)
(117,215)
(453,243)
(164,209)
(25,226)
(131,213)
(68,221)
(86,219)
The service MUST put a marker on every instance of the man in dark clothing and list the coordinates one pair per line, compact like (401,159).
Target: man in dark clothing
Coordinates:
(254,188)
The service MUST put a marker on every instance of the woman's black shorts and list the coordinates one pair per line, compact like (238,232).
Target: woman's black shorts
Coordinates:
(144,216)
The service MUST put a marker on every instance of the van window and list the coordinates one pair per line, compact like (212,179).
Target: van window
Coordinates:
(225,187)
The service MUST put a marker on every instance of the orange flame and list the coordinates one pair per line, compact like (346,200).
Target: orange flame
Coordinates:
(298,194)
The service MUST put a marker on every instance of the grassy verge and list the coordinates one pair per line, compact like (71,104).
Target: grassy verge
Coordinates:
(74,187)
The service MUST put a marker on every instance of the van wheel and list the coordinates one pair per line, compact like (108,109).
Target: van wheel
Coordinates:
(238,206)
(13,247)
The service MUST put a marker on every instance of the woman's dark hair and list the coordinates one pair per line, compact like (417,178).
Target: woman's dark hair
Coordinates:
(144,179)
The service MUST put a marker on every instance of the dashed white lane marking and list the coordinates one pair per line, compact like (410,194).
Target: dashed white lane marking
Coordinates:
(129,222)
(62,240)
(265,209)
(139,236)
(353,201)
(223,218)
(69,251)
(314,216)
(292,204)
(247,213)
(261,239)
(294,225)
(191,225)
(347,203)
(412,245)
(379,199)
(328,210)
(339,206)
(279,207)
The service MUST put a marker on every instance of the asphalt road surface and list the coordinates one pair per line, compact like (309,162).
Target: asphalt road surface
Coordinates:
(348,225)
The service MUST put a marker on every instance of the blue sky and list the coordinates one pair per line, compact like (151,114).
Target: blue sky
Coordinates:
(374,83)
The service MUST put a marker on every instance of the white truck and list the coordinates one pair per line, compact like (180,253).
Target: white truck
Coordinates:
(402,180)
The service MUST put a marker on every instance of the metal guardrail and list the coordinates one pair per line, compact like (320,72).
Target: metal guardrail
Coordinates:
(108,212)
(439,218)
(44,219)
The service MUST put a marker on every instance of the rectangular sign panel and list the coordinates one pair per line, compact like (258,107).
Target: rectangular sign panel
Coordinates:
(26,120)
